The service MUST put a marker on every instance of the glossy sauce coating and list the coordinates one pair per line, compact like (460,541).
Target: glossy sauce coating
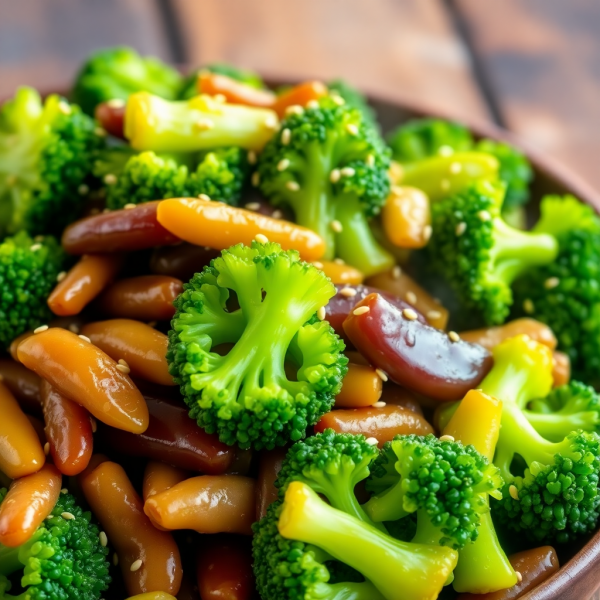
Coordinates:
(269,465)
(398,396)
(20,450)
(68,431)
(414,355)
(28,502)
(380,423)
(406,217)
(160,477)
(182,260)
(111,115)
(119,510)
(174,438)
(362,386)
(206,504)
(146,298)
(84,374)
(118,231)
(340,273)
(83,283)
(142,347)
(23,383)
(152,596)
(489,337)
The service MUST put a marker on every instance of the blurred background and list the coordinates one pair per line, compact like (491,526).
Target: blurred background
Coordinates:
(532,66)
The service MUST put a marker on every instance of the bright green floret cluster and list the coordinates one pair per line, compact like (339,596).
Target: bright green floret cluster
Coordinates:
(355,99)
(64,559)
(254,363)
(335,173)
(28,272)
(46,154)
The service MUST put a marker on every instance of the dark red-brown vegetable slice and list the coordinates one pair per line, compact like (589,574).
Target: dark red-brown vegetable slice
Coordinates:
(269,465)
(182,260)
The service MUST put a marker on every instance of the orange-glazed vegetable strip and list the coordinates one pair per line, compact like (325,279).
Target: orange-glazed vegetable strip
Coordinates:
(206,504)
(234,91)
(268,468)
(299,95)
(561,368)
(159,477)
(83,283)
(23,383)
(340,272)
(68,431)
(406,217)
(220,226)
(84,374)
(224,568)
(143,348)
(15,343)
(361,387)
(492,336)
(117,506)
(145,298)
(152,596)
(20,450)
(28,502)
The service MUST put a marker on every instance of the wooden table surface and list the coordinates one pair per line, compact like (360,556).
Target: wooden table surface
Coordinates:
(532,66)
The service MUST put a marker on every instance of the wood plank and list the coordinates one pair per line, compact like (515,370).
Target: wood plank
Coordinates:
(398,48)
(542,60)
(43,43)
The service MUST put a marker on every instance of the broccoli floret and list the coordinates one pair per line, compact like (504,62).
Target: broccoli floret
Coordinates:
(331,170)
(444,482)
(64,560)
(46,153)
(220,174)
(479,254)
(28,272)
(556,498)
(297,537)
(244,394)
(565,409)
(566,293)
(355,99)
(200,123)
(189,88)
(118,72)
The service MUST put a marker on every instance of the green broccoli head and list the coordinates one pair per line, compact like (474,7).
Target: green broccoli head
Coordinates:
(444,482)
(28,272)
(118,72)
(46,154)
(355,99)
(189,87)
(64,560)
(330,168)
(244,393)
(479,254)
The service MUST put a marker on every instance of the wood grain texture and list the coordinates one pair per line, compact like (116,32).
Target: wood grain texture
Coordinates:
(542,58)
(42,43)
(404,49)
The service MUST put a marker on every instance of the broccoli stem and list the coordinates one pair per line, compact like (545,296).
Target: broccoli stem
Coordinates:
(346,591)
(557,426)
(420,571)
(9,560)
(388,505)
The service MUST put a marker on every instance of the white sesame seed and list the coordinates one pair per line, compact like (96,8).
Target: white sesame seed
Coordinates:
(484,215)
(64,108)
(295,109)
(334,176)
(519,576)
(337,99)
(455,168)
(352,129)
(136,565)
(220,98)
(103,539)
(514,493)
(204,124)
(124,369)
(454,337)
(110,179)
(204,197)
(460,228)
(379,404)
(261,238)
(336,226)
(347,172)
(410,314)
(361,310)
(445,185)
(35,247)
(427,231)
(348,292)
(255,179)
(551,282)
(116,103)
(252,205)
(370,160)
(251,157)
(67,516)
(85,338)
(411,297)
(312,104)
(123,362)
(283,164)
(372,441)
(293,186)
(277,214)
(64,491)
(396,272)
(445,151)
(318,264)
(271,122)
(83,189)
(115,559)
(74,328)
(100,131)
(381,374)
(40,329)
(93,424)
(286,136)
(321,313)
(528,306)
(446,438)
(339,261)
(129,206)
(433,314)
(47,448)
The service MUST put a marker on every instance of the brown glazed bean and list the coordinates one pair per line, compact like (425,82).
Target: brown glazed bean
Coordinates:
(15,343)
(119,510)
(142,347)
(111,116)
(241,463)
(23,383)
(38,425)
(398,396)
(206,504)
(84,374)
(182,260)
(145,298)
(172,437)
(380,423)
(268,468)
(489,337)
(159,477)
(361,387)
(561,368)
(68,430)
(118,231)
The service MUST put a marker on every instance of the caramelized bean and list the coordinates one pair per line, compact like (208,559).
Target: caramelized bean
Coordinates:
(379,423)
(398,396)
(142,347)
(68,430)
(118,231)
(83,283)
(159,477)
(490,337)
(535,566)
(339,272)
(415,355)
(403,286)
(152,596)
(20,450)
(111,115)
(181,261)
(23,383)
(224,568)
(561,368)
(241,463)
(84,374)
(206,504)
(406,217)
(117,506)
(174,438)
(38,425)
(15,343)
(361,387)
(268,468)
(28,502)
(145,298)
